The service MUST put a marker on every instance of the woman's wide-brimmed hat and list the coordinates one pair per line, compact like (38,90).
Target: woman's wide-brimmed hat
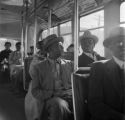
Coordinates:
(87,35)
(51,39)
(115,35)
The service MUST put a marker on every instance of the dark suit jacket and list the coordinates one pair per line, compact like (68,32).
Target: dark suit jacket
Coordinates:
(85,61)
(106,91)
(4,54)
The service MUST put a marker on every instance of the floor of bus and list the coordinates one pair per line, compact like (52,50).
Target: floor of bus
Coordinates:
(11,106)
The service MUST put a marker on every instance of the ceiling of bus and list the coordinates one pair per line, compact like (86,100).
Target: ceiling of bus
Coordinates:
(10,13)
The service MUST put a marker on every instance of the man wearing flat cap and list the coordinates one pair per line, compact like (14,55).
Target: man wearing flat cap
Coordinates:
(51,81)
(88,56)
(107,81)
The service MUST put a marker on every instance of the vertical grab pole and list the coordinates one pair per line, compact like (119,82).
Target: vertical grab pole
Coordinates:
(26,29)
(75,37)
(49,22)
(25,42)
(75,32)
(35,27)
(22,40)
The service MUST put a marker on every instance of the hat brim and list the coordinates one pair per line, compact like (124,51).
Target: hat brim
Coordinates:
(94,38)
(109,41)
(51,42)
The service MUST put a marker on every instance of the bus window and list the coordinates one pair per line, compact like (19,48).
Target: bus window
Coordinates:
(122,16)
(93,20)
(67,41)
(65,28)
(2,42)
(95,23)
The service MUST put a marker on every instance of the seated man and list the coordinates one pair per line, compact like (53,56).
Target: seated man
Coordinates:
(4,66)
(88,56)
(51,81)
(107,81)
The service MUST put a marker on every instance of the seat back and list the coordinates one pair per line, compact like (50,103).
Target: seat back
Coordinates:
(80,87)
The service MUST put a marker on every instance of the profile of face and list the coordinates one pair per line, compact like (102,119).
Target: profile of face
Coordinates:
(56,50)
(118,48)
(88,45)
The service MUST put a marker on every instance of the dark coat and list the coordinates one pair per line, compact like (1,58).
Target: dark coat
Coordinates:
(85,61)
(106,91)
(4,54)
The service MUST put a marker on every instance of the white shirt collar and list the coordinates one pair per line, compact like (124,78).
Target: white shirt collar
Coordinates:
(120,63)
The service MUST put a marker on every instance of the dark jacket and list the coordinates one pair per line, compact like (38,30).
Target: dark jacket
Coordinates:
(4,54)
(106,91)
(85,61)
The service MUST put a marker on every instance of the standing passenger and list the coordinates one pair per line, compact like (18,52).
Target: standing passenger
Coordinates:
(88,42)
(51,81)
(107,81)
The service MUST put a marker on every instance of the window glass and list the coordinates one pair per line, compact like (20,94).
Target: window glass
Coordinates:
(122,25)
(122,12)
(67,41)
(3,40)
(52,31)
(93,20)
(65,28)
(99,48)
(44,34)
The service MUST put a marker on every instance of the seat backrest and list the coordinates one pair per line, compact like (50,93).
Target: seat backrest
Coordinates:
(80,86)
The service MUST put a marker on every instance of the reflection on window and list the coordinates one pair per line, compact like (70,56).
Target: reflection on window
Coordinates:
(3,40)
(92,21)
(122,14)
(67,41)
(65,28)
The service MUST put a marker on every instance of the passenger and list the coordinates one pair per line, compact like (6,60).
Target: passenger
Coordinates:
(4,65)
(52,81)
(6,52)
(107,83)
(16,69)
(31,51)
(69,55)
(41,54)
(70,48)
(15,56)
(32,105)
(88,42)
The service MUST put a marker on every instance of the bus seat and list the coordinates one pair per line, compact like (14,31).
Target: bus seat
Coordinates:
(80,85)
